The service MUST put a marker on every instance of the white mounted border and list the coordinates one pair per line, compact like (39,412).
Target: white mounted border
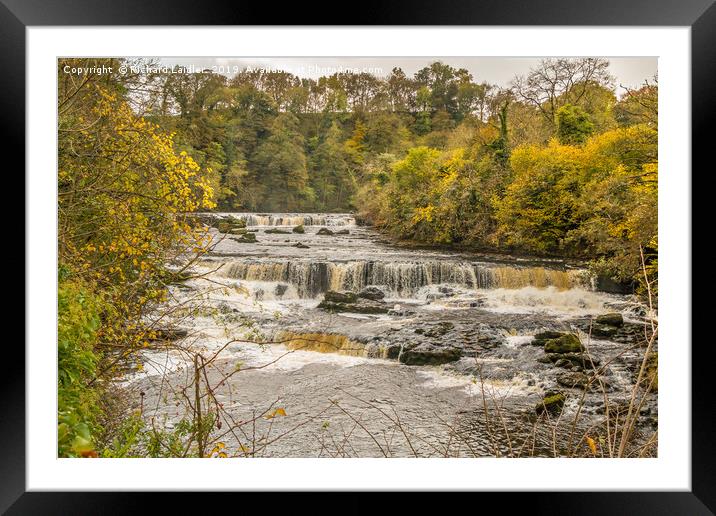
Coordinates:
(670,471)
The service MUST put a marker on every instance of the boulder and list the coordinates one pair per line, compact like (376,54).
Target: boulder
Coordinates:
(540,339)
(248,238)
(325,231)
(299,229)
(392,351)
(603,331)
(611,319)
(569,359)
(552,403)
(350,302)
(429,355)
(363,306)
(342,232)
(567,343)
(400,312)
(340,297)
(301,245)
(573,380)
(237,223)
(224,227)
(229,224)
(280,290)
(371,292)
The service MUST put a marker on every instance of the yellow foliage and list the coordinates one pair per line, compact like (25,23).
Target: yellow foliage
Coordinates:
(123,195)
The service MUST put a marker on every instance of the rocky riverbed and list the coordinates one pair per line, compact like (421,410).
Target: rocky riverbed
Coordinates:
(372,349)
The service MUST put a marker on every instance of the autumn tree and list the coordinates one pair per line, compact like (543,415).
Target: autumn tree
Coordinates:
(555,82)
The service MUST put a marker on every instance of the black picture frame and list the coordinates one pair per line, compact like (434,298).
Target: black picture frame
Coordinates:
(700,15)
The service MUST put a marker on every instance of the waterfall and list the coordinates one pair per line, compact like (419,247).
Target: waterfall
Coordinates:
(294,219)
(310,279)
(321,342)
(402,279)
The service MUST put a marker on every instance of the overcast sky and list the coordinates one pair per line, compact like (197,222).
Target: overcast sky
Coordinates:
(629,71)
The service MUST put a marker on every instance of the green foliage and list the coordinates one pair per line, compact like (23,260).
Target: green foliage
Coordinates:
(78,321)
(281,159)
(574,125)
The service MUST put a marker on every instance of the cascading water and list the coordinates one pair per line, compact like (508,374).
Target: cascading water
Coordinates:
(402,279)
(295,219)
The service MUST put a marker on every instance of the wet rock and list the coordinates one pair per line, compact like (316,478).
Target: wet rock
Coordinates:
(235,222)
(552,403)
(300,245)
(627,333)
(567,343)
(425,354)
(364,306)
(439,329)
(371,292)
(442,293)
(276,231)
(606,284)
(575,359)
(228,224)
(340,297)
(238,231)
(392,351)
(540,339)
(299,229)
(489,338)
(603,331)
(280,290)
(325,231)
(573,379)
(342,232)
(401,312)
(248,238)
(611,319)
(350,302)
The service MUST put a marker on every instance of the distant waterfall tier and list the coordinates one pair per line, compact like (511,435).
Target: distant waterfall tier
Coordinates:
(296,219)
(400,278)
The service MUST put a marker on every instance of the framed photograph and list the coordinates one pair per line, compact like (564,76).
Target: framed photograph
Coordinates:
(432,250)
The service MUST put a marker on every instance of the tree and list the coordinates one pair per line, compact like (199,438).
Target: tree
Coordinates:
(546,85)
(442,81)
(330,174)
(574,125)
(281,165)
(401,91)
(639,106)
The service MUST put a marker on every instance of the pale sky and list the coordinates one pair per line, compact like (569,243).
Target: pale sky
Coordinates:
(628,71)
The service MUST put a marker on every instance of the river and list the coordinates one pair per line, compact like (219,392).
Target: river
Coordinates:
(437,360)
